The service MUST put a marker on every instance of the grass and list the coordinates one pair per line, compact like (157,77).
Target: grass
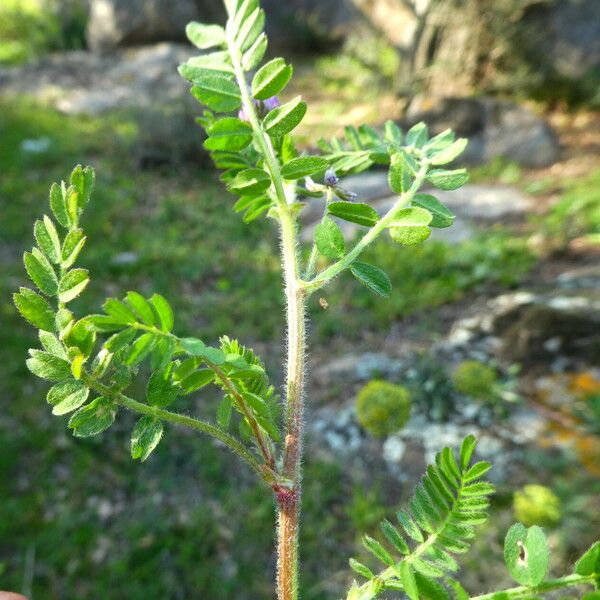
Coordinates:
(89,520)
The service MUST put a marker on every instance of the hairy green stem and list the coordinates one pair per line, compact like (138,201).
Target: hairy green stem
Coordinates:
(336,268)
(547,586)
(288,498)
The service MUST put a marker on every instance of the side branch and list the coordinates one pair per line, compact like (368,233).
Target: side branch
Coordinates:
(335,269)
(182,421)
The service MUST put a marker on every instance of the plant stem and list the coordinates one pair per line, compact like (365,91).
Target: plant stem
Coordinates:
(177,419)
(288,500)
(546,586)
(336,268)
(230,388)
(288,497)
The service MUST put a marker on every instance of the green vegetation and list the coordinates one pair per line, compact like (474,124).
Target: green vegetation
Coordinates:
(89,490)
(577,213)
(475,379)
(382,407)
(30,28)
(537,505)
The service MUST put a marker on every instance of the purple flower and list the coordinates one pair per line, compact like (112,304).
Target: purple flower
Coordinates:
(270,103)
(331,179)
(263,107)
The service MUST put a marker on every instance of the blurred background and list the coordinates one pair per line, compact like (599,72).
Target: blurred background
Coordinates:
(493,327)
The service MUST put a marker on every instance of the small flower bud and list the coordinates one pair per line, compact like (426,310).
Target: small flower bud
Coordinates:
(331,179)
(343,194)
(270,103)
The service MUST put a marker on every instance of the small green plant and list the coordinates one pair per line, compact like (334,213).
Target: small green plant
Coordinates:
(537,505)
(382,407)
(95,362)
(476,379)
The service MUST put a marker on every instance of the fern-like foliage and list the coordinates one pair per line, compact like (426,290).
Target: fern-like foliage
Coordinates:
(449,502)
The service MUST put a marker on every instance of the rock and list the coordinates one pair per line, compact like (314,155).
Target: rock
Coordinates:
(494,128)
(581,278)
(117,23)
(568,34)
(143,83)
(552,331)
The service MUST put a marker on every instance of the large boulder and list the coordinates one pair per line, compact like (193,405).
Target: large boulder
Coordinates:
(567,35)
(115,23)
(494,128)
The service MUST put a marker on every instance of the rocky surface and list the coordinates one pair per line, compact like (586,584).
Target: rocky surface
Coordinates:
(494,128)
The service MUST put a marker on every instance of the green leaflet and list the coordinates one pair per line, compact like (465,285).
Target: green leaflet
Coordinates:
(448,180)
(354,212)
(205,36)
(450,153)
(196,347)
(216,63)
(286,118)
(411,226)
(589,563)
(441,216)
(271,79)
(373,277)
(71,247)
(67,397)
(40,271)
(48,366)
(329,239)
(161,390)
(47,239)
(83,180)
(94,418)
(526,554)
(304,166)
(141,307)
(164,312)
(35,309)
(407,577)
(417,135)
(219,93)
(229,134)
(251,182)
(254,55)
(146,435)
(58,205)
(72,284)
(400,174)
